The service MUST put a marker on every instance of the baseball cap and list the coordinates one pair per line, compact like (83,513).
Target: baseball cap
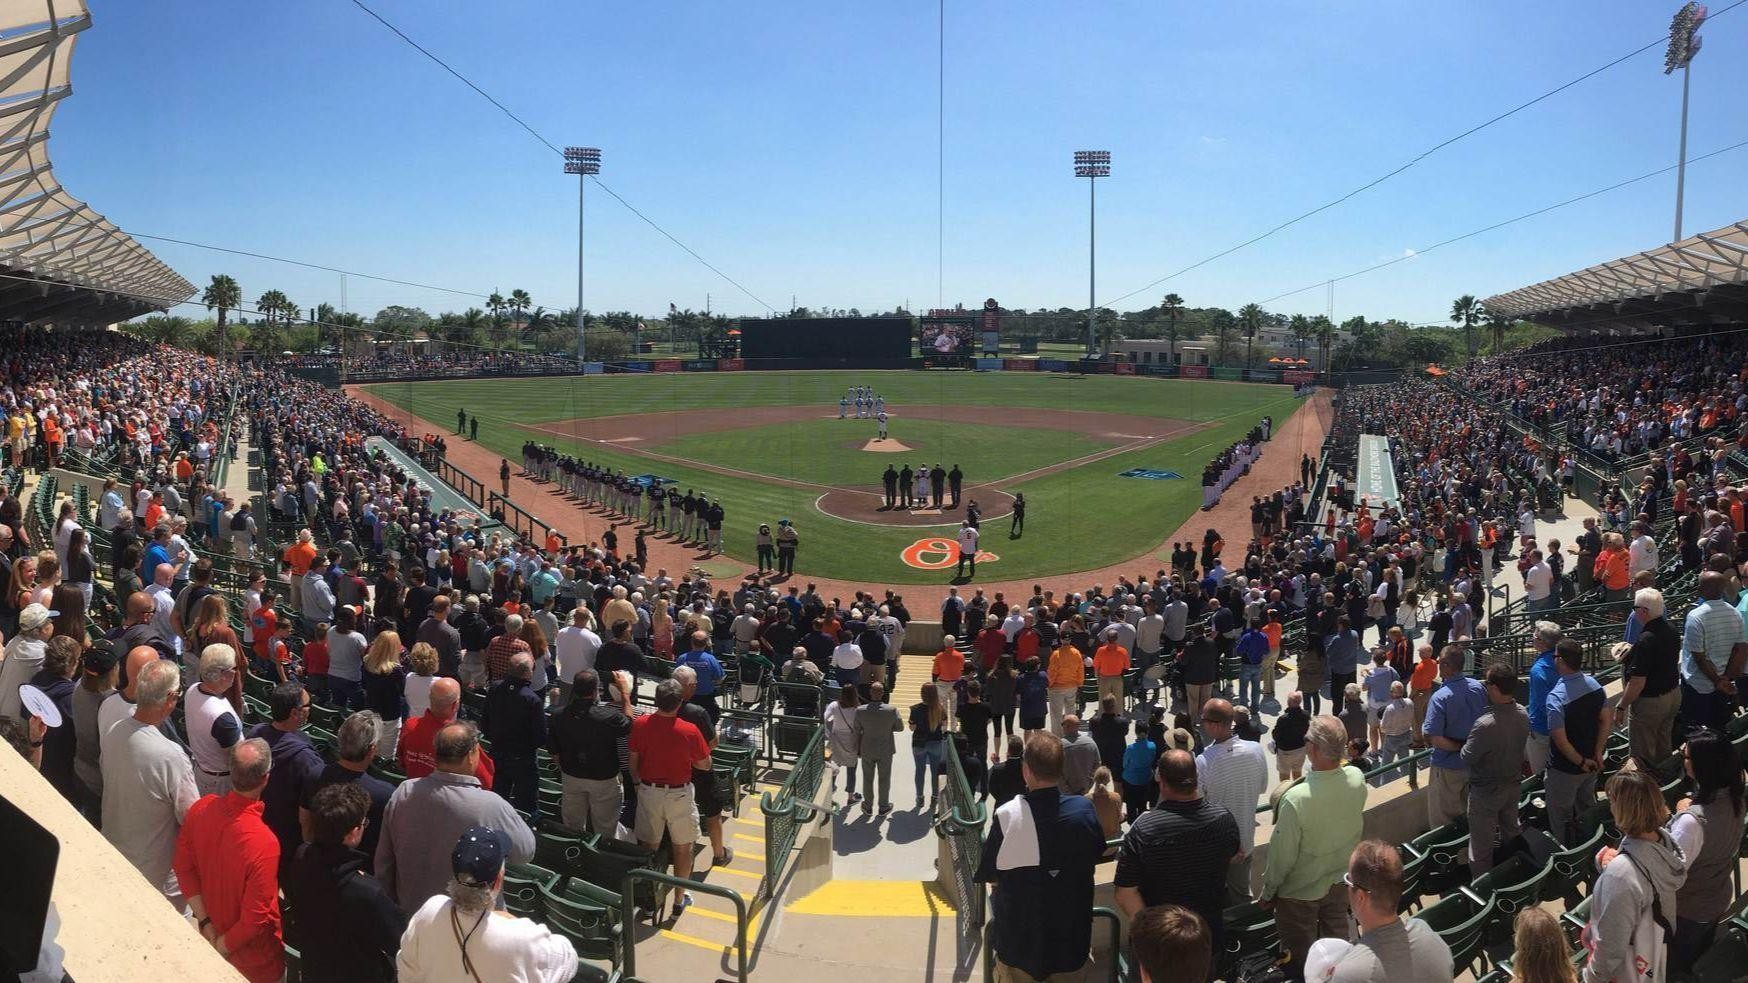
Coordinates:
(101,657)
(34,616)
(478,858)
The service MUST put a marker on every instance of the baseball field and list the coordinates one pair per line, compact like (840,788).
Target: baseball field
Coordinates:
(770,446)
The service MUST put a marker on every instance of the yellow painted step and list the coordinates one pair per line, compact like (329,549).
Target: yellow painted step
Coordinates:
(875,899)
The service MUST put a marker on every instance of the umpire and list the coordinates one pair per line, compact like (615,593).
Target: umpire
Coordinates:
(890,481)
(905,484)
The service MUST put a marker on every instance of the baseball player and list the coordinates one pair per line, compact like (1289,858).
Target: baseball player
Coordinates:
(844,406)
(880,418)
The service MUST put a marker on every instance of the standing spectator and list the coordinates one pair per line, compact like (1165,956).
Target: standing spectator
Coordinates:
(346,648)
(437,632)
(1539,947)
(297,765)
(1110,662)
(1709,819)
(212,725)
(840,729)
(875,723)
(24,656)
(1080,757)
(1653,677)
(1032,697)
(1389,950)
(55,681)
(227,862)
(1578,727)
(1171,945)
(1201,669)
(1637,886)
(948,668)
(664,750)
(148,784)
(1067,672)
(502,649)
(1290,731)
(928,741)
(1040,856)
(425,817)
(355,751)
(384,690)
(1233,774)
(1317,825)
(1109,731)
(422,667)
(415,753)
(1450,715)
(576,646)
(1342,653)
(1542,676)
(459,927)
(1712,649)
(96,683)
(587,737)
(346,926)
(1140,789)
(1494,754)
(1181,851)
(1613,567)
(710,672)
(514,720)
(1253,651)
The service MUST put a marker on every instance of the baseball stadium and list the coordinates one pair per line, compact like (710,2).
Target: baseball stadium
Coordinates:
(1375,614)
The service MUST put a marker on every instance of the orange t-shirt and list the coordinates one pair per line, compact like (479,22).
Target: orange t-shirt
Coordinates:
(1110,659)
(1066,668)
(949,665)
(1272,631)
(299,556)
(184,469)
(1425,675)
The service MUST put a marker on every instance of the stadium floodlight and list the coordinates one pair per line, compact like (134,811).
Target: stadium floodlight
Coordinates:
(1684,43)
(1092,164)
(581,161)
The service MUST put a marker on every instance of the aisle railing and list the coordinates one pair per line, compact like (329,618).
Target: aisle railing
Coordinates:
(791,807)
(959,821)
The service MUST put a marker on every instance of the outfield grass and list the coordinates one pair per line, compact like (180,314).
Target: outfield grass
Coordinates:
(1076,520)
(829,452)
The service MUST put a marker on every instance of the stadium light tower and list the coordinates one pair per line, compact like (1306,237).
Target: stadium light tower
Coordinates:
(581,161)
(1684,43)
(1092,165)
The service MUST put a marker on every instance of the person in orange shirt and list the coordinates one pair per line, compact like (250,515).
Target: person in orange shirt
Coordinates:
(949,666)
(53,436)
(184,468)
(1110,661)
(1421,685)
(1026,642)
(297,558)
(1611,568)
(1067,671)
(1271,631)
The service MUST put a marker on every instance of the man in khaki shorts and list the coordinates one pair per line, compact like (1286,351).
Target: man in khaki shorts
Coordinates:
(664,750)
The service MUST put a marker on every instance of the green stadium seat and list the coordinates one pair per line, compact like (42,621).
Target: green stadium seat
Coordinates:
(522,884)
(1513,886)
(1461,921)
(582,914)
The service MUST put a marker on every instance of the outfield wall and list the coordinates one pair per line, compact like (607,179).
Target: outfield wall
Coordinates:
(331,374)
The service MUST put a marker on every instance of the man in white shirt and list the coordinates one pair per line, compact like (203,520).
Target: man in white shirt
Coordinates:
(1233,774)
(458,936)
(1642,551)
(576,645)
(1013,624)
(164,601)
(1538,583)
(967,549)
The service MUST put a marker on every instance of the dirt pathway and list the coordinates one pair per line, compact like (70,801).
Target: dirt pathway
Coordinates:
(1301,433)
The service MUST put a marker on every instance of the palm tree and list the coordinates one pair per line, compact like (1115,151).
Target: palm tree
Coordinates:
(1250,315)
(265,337)
(1172,309)
(538,321)
(1499,324)
(271,304)
(520,302)
(1324,331)
(223,295)
(1301,326)
(1467,312)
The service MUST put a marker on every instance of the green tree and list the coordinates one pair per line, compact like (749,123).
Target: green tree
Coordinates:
(400,323)
(1466,312)
(1498,324)
(1301,327)
(519,303)
(605,344)
(1323,331)
(1250,316)
(265,336)
(224,296)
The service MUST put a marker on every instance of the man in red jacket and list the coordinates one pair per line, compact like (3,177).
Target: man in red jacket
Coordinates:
(416,751)
(227,863)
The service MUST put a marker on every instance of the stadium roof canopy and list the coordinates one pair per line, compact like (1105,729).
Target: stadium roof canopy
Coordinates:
(1700,281)
(60,261)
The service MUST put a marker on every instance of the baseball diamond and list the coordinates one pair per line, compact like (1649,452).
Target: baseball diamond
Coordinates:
(766,446)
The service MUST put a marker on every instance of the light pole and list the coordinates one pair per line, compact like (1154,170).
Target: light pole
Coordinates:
(581,161)
(1684,43)
(1092,165)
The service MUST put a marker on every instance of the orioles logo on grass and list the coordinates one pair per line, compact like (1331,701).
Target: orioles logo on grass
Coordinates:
(936,553)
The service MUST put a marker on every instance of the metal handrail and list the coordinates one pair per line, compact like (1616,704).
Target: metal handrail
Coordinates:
(791,807)
(628,915)
(222,470)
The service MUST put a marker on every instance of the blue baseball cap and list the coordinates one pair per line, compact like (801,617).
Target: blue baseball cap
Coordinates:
(479,856)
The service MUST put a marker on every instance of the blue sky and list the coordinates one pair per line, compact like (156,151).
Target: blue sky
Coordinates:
(794,146)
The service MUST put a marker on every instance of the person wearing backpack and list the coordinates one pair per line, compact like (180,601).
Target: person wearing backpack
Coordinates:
(1632,907)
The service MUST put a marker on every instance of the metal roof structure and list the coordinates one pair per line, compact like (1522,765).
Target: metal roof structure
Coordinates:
(1700,281)
(60,261)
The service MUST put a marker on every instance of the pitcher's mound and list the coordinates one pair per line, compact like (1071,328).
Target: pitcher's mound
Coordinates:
(887,446)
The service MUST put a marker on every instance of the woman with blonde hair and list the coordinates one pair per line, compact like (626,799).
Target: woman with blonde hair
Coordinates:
(1634,895)
(541,647)
(48,576)
(928,740)
(1540,953)
(422,662)
(661,629)
(385,685)
(212,626)
(1107,803)
(840,729)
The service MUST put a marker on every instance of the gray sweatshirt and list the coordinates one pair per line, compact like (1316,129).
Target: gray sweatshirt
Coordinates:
(1622,931)
(1494,752)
